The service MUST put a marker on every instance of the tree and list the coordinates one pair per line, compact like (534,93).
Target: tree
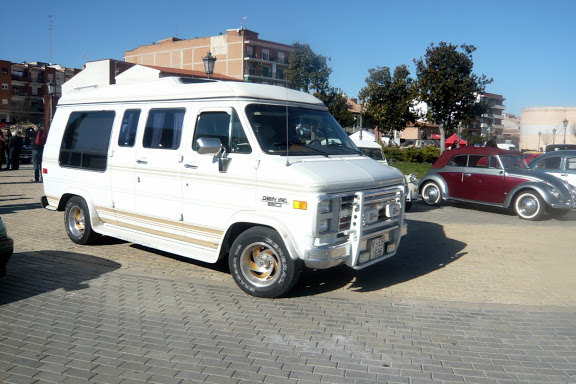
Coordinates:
(447,84)
(335,101)
(388,98)
(306,70)
(20,111)
(572,131)
(547,138)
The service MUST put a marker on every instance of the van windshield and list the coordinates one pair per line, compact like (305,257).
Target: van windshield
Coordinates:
(298,131)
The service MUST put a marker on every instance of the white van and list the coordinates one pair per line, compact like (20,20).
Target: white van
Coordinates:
(258,174)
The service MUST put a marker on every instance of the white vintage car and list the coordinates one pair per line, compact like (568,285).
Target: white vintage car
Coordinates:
(374,150)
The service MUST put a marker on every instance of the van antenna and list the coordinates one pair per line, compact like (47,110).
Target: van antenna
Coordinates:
(287,139)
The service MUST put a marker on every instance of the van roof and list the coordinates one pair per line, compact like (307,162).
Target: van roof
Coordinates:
(176,88)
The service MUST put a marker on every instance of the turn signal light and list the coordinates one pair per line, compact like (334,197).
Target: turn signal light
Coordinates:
(300,205)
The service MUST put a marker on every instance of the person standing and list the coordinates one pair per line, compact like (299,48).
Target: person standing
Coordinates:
(15,145)
(37,150)
(5,137)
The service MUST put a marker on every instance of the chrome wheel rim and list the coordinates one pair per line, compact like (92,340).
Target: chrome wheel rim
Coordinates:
(76,222)
(260,264)
(431,194)
(527,206)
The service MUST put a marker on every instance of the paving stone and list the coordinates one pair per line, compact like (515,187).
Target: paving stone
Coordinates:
(119,313)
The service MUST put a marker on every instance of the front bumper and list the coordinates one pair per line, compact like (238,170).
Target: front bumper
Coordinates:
(324,257)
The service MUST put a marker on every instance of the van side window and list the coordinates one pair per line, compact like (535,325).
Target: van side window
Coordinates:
(86,139)
(227,128)
(127,134)
(164,128)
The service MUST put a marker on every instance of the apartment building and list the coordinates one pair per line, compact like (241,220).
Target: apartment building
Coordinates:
(491,122)
(240,54)
(24,90)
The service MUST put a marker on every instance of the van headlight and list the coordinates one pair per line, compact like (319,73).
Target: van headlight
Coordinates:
(325,206)
(324,226)
(327,221)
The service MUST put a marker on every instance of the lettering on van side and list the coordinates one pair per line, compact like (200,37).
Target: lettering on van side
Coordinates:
(277,202)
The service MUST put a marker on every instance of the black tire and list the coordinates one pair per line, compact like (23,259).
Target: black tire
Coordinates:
(77,222)
(556,213)
(431,193)
(261,265)
(529,205)
(408,206)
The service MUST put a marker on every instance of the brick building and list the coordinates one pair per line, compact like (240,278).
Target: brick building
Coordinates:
(24,90)
(240,54)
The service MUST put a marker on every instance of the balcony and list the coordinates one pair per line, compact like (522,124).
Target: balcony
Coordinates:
(258,59)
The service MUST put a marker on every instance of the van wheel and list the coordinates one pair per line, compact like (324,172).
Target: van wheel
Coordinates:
(529,205)
(431,193)
(77,222)
(261,265)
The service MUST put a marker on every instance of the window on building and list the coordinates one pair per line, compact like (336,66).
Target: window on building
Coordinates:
(127,135)
(5,86)
(4,101)
(280,73)
(86,140)
(249,51)
(265,54)
(281,58)
(164,128)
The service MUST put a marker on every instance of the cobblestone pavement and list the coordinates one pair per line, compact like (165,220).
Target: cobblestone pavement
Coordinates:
(475,295)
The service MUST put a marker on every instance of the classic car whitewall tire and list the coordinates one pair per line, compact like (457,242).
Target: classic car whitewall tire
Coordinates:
(77,222)
(431,193)
(261,265)
(529,205)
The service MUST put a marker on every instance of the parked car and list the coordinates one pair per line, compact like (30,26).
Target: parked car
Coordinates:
(559,147)
(529,156)
(561,164)
(6,248)
(496,177)
(374,150)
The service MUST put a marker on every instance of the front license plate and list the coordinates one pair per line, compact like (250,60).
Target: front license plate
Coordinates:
(377,247)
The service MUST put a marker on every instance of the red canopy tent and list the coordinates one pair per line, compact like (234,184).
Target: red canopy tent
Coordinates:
(452,139)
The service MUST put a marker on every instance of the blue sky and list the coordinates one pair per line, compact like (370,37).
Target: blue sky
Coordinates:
(528,47)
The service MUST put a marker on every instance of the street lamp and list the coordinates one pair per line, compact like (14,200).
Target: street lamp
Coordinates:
(539,134)
(51,92)
(553,135)
(209,61)
(565,122)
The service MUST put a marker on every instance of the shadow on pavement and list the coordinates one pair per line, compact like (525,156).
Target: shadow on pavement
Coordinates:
(34,273)
(424,250)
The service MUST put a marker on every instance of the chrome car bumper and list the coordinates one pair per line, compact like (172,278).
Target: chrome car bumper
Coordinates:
(324,257)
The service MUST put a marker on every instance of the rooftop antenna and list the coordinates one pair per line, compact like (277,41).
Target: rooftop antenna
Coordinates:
(242,23)
(50,29)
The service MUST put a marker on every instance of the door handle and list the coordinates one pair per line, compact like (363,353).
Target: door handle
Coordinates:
(191,166)
(467,174)
(141,161)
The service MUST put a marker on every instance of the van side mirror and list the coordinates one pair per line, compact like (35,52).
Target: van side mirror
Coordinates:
(208,145)
(213,146)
